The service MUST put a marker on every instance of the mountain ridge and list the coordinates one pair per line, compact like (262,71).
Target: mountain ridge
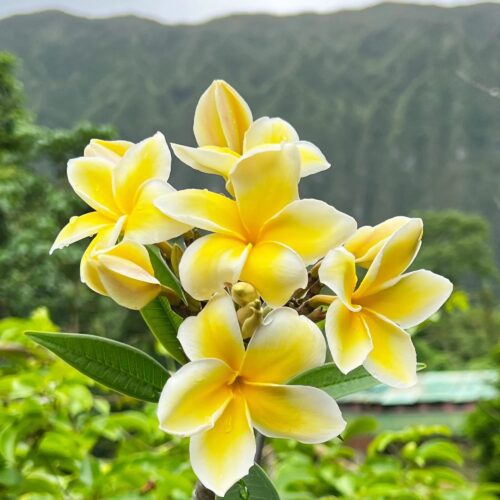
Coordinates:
(379,90)
(402,5)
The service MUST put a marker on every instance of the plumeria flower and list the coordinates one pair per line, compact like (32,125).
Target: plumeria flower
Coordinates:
(364,324)
(266,236)
(123,272)
(109,150)
(224,130)
(120,179)
(366,242)
(225,391)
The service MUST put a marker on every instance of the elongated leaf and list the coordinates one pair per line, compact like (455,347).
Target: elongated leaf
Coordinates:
(255,486)
(163,273)
(329,378)
(118,366)
(164,324)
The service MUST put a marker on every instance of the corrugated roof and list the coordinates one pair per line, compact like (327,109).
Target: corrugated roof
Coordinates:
(433,387)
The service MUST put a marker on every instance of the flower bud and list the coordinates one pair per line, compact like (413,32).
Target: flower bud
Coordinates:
(243,313)
(253,320)
(243,293)
(175,258)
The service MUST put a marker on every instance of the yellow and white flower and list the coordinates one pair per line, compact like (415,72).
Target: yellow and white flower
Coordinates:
(120,179)
(225,391)
(364,325)
(224,130)
(266,236)
(123,272)
(366,242)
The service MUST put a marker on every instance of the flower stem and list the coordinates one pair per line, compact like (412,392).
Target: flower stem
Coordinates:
(259,439)
(202,493)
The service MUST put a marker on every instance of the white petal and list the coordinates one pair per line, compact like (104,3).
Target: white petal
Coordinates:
(195,397)
(221,117)
(393,258)
(411,299)
(214,333)
(310,227)
(80,227)
(265,180)
(146,160)
(146,224)
(203,209)
(312,160)
(91,179)
(267,130)
(338,272)
(347,336)
(285,345)
(208,159)
(223,455)
(304,413)
(211,262)
(392,360)
(276,271)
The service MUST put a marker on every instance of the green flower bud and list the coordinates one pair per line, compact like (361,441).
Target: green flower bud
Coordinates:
(243,293)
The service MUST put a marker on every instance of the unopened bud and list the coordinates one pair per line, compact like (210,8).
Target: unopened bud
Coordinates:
(244,313)
(191,236)
(243,293)
(320,300)
(166,248)
(252,322)
(175,258)
(317,315)
(314,270)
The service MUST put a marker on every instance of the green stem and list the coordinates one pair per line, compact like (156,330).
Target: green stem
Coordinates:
(202,493)
(259,440)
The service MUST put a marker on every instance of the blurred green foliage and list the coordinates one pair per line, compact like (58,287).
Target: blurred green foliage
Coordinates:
(457,245)
(33,208)
(12,112)
(57,146)
(418,463)
(483,428)
(461,335)
(62,436)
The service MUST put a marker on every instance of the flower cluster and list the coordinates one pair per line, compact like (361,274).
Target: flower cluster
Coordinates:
(256,279)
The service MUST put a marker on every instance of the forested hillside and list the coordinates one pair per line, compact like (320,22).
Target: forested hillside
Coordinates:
(403,100)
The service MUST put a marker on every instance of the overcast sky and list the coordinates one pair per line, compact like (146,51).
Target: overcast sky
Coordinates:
(191,11)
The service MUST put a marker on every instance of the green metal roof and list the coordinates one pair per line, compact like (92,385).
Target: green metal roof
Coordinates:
(433,387)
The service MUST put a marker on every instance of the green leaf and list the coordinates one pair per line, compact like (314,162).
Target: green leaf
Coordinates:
(164,324)
(440,451)
(163,273)
(329,378)
(255,486)
(118,366)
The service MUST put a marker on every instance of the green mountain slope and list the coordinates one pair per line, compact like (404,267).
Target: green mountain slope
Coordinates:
(400,98)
